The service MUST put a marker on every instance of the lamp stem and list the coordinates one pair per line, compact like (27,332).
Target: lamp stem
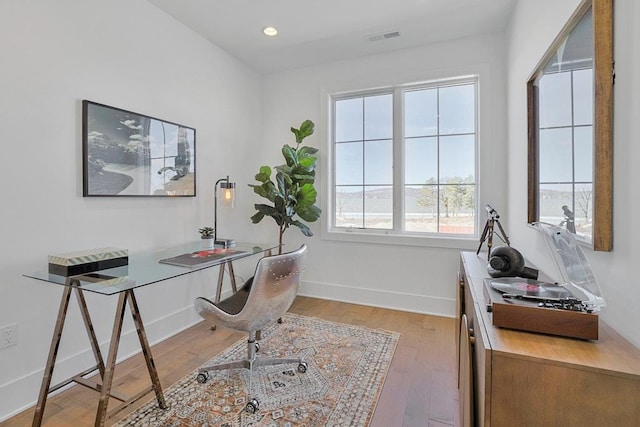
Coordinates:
(215,212)
(215,207)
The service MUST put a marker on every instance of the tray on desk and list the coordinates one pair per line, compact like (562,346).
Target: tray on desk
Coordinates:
(201,258)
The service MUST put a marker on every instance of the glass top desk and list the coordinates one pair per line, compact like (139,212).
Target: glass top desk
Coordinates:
(143,269)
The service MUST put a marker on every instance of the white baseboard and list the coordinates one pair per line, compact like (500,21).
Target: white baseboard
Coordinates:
(384,299)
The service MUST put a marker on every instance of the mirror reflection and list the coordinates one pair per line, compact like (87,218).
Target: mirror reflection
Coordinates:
(565,132)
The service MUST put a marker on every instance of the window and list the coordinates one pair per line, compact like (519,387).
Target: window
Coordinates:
(404,160)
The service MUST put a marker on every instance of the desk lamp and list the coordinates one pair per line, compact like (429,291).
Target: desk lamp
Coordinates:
(227,195)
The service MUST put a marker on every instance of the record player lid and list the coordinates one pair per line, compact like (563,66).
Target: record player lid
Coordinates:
(574,268)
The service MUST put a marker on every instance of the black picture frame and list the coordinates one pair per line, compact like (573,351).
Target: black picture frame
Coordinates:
(127,154)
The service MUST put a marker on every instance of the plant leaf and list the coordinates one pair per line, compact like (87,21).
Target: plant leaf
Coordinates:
(303,227)
(309,213)
(266,210)
(281,182)
(305,151)
(266,190)
(290,155)
(257,217)
(306,195)
(306,129)
(264,175)
(308,162)
(285,169)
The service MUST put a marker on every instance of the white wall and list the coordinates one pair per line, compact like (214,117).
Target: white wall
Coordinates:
(414,278)
(128,54)
(533,28)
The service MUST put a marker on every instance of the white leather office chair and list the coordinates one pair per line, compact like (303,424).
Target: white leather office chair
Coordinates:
(261,301)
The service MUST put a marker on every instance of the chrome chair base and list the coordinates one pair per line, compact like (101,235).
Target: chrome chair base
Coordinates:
(251,362)
(203,373)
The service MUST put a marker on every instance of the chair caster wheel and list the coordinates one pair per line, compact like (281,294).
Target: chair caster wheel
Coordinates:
(252,406)
(257,347)
(280,320)
(302,367)
(202,378)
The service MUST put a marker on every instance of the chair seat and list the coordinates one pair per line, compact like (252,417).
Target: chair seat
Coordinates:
(235,303)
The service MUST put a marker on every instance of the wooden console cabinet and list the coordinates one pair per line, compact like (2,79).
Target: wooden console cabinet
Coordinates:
(513,378)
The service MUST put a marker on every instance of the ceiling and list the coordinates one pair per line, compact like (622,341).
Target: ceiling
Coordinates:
(314,32)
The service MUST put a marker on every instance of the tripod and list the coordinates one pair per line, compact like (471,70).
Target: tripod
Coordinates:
(487,233)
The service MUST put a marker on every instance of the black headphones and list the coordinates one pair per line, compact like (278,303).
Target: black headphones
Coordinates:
(506,261)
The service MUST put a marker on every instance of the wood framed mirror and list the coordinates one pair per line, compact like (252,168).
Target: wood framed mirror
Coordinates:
(570,128)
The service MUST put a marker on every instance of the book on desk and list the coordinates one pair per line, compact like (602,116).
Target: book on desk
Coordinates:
(201,258)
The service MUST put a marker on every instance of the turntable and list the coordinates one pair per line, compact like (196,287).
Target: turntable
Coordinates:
(568,308)
(534,306)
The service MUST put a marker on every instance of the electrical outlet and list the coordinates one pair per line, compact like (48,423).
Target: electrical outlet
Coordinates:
(9,335)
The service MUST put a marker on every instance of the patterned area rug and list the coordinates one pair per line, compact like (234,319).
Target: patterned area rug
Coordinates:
(347,368)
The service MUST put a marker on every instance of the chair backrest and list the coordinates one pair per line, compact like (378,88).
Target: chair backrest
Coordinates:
(274,288)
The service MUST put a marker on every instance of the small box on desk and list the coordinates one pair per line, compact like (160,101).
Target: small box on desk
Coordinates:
(81,262)
(527,315)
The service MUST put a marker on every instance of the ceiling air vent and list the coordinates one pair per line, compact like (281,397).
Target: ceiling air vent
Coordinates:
(383,36)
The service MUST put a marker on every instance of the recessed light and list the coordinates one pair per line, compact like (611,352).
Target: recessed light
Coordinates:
(270,31)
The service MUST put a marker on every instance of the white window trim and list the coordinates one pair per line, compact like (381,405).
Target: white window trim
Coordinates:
(391,237)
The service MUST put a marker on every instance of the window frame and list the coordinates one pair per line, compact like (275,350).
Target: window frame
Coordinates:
(398,235)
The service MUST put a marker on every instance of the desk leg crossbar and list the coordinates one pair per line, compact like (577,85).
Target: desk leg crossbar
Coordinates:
(106,371)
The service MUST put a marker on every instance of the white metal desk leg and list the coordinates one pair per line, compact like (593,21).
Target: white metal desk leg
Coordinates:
(51,360)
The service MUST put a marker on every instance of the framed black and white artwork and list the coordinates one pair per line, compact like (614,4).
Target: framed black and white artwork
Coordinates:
(131,154)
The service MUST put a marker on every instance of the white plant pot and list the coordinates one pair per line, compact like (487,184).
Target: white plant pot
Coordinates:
(207,243)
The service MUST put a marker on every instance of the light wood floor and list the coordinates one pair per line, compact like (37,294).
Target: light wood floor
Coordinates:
(420,388)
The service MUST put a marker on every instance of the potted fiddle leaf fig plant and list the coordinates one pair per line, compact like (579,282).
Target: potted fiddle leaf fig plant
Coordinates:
(292,194)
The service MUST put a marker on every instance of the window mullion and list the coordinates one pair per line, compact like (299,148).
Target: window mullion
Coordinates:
(364,165)
(438,177)
(398,160)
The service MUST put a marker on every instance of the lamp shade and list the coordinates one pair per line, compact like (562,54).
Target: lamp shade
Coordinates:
(228,194)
